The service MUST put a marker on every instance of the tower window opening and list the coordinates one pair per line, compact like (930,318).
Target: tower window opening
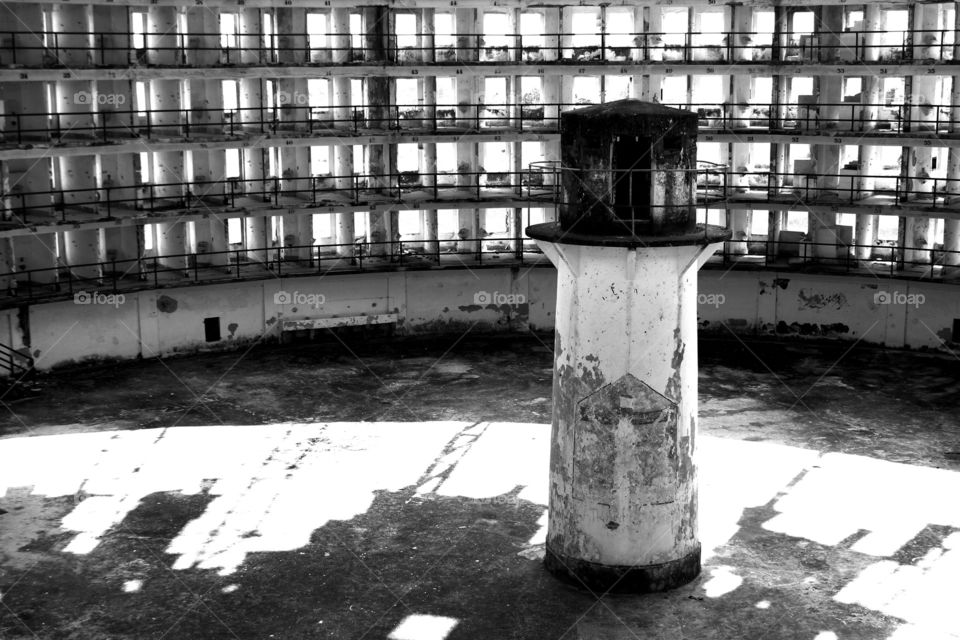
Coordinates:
(229,36)
(631,177)
(138,23)
(531,29)
(444,31)
(406,28)
(234,231)
(317,30)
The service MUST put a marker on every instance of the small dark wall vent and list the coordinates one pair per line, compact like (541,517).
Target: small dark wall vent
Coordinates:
(211,329)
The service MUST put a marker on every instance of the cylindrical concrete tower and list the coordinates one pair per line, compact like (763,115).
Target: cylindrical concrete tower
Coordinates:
(623,483)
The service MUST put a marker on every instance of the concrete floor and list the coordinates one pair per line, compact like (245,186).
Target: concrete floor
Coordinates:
(396,492)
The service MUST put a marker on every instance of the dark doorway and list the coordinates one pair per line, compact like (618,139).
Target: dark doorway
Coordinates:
(211,328)
(631,177)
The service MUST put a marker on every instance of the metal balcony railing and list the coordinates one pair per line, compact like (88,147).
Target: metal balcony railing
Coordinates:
(848,187)
(899,118)
(540,183)
(455,250)
(155,271)
(78,49)
(277,119)
(280,119)
(111,201)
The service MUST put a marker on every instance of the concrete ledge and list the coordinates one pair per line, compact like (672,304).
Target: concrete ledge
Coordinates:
(346,321)
(602,578)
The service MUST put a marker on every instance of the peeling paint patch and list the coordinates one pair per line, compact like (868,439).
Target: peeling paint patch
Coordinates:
(812,328)
(781,282)
(821,301)
(166,304)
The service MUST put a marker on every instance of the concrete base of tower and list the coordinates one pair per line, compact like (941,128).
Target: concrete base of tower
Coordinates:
(605,578)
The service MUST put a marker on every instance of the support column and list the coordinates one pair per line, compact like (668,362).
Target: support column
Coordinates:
(251,104)
(739,220)
(73,113)
(83,254)
(29,189)
(36,251)
(71,44)
(250,36)
(255,239)
(551,27)
(926,45)
(343,158)
(203,37)
(8,264)
(951,228)
(165,115)
(430,225)
(866,226)
(291,35)
(340,35)
(298,232)
(168,174)
(295,172)
(253,175)
(741,20)
(212,242)
(110,26)
(345,235)
(872,84)
(918,241)
(378,233)
(866,236)
(380,157)
(25,22)
(172,241)
(117,182)
(207,181)
(467,180)
(78,183)
(206,106)
(624,382)
(115,100)
(163,46)
(123,246)
(951,243)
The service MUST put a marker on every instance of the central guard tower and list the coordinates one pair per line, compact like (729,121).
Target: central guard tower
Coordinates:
(623,483)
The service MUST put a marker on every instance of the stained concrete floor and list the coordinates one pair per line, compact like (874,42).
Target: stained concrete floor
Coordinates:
(315,491)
